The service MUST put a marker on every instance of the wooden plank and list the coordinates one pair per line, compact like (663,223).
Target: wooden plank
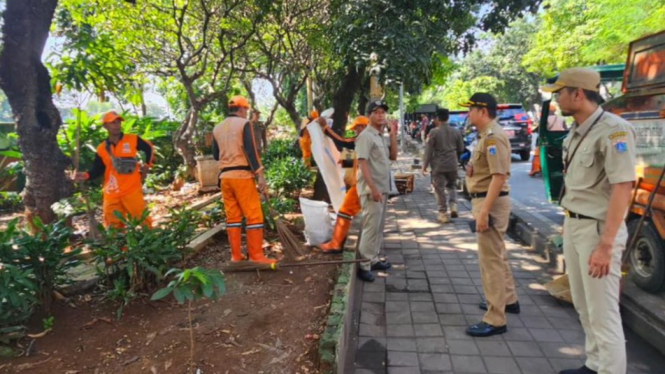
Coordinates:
(202,240)
(206,202)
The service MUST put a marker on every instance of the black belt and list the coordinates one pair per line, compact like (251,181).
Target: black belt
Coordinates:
(479,195)
(576,215)
(231,168)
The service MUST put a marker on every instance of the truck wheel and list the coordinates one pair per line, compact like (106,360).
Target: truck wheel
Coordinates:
(525,155)
(647,259)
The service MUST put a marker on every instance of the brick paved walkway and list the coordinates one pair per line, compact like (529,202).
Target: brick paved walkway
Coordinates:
(412,320)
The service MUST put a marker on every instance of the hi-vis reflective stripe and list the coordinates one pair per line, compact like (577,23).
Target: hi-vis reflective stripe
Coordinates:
(345,216)
(254,227)
(239,224)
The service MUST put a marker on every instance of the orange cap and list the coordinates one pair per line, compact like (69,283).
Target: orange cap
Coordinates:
(238,101)
(359,121)
(111,116)
(552,108)
(314,114)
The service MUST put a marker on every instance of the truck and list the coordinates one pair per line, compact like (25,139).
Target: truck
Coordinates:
(642,103)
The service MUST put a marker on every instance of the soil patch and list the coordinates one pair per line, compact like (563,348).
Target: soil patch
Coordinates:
(266,323)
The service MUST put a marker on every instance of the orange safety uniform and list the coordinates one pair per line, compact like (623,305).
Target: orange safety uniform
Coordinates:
(351,204)
(122,192)
(235,148)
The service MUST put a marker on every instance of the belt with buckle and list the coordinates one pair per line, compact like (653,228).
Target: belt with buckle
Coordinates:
(479,195)
(576,215)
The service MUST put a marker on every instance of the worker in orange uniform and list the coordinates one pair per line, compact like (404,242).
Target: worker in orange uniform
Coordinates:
(305,139)
(117,161)
(234,146)
(351,205)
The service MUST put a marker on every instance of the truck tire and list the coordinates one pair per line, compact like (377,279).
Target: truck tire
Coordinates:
(647,260)
(525,155)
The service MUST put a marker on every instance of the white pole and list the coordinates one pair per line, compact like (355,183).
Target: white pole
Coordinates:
(401,116)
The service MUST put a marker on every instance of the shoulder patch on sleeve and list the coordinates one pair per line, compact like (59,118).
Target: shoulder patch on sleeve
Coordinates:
(492,150)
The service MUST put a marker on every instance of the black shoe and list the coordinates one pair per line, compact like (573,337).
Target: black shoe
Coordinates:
(510,308)
(365,275)
(582,370)
(483,329)
(382,265)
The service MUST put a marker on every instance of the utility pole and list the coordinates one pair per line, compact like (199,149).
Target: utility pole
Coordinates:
(401,116)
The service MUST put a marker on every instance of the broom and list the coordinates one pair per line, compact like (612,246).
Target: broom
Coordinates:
(93,230)
(246,266)
(292,245)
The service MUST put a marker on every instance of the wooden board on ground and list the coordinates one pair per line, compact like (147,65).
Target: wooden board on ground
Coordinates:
(202,240)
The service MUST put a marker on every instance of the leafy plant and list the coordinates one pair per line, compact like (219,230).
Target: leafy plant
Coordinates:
(190,285)
(287,176)
(18,295)
(279,149)
(134,259)
(10,201)
(215,215)
(47,255)
(280,206)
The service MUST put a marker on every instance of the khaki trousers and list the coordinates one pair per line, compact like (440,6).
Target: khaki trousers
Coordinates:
(371,237)
(445,189)
(497,278)
(596,300)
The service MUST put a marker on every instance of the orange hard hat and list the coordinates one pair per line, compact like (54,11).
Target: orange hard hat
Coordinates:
(111,116)
(359,121)
(314,114)
(238,102)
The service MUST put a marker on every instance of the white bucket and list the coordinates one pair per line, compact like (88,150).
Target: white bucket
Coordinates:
(318,223)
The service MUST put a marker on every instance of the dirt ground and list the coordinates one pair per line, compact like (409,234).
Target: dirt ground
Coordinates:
(266,323)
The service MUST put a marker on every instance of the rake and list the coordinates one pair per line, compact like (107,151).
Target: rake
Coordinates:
(293,247)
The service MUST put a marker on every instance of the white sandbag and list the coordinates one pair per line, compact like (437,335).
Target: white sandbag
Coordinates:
(327,156)
(318,223)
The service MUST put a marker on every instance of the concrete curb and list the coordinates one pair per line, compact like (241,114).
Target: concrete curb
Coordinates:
(333,344)
(547,245)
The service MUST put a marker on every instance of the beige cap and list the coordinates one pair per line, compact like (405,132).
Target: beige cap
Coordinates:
(584,78)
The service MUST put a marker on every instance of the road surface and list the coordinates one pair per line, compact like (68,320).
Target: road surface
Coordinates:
(530,191)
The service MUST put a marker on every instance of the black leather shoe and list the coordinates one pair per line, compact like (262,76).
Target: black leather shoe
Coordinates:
(510,308)
(382,265)
(582,370)
(483,329)
(365,275)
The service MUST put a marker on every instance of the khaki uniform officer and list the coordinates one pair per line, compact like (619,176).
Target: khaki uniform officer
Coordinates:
(599,172)
(487,181)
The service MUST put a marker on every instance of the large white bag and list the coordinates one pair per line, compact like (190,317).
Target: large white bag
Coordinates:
(318,223)
(326,156)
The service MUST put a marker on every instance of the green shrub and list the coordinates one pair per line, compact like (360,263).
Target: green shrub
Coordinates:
(286,177)
(280,149)
(18,295)
(280,206)
(133,260)
(44,253)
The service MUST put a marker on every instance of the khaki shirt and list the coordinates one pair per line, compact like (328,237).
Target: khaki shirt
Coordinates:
(491,156)
(606,157)
(372,146)
(443,145)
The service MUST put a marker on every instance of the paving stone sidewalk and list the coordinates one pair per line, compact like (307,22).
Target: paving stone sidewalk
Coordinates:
(412,319)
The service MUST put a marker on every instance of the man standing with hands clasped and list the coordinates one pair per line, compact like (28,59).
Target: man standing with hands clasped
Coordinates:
(599,173)
(374,158)
(487,180)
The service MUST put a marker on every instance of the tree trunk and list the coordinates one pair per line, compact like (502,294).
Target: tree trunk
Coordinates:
(290,107)
(26,82)
(183,140)
(343,97)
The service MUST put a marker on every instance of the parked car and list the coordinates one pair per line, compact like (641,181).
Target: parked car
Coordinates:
(518,126)
(457,118)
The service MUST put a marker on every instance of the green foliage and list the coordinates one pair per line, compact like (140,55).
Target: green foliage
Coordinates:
(193,284)
(287,176)
(76,204)
(280,206)
(279,149)
(215,215)
(581,33)
(18,295)
(133,260)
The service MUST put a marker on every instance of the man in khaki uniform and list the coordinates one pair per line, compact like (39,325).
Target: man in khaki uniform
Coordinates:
(487,181)
(443,145)
(374,157)
(599,173)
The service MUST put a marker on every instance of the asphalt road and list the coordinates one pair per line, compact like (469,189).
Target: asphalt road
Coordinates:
(530,191)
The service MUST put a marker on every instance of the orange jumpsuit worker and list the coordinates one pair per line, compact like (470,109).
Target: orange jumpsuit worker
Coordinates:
(234,146)
(123,176)
(305,139)
(351,205)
